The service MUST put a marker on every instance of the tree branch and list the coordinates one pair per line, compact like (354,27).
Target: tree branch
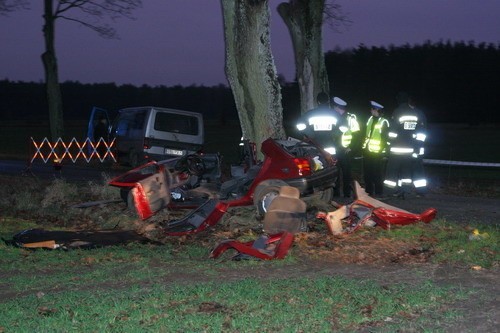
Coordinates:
(335,17)
(8,6)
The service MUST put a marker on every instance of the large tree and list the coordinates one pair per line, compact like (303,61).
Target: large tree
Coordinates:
(304,19)
(74,10)
(88,13)
(250,69)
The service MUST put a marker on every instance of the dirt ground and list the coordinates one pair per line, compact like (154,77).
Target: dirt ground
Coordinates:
(363,254)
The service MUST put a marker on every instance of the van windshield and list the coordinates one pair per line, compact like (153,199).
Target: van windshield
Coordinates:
(169,122)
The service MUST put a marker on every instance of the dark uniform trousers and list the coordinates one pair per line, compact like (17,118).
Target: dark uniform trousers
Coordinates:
(405,167)
(345,177)
(373,171)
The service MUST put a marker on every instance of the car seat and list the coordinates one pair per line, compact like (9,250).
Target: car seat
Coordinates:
(287,212)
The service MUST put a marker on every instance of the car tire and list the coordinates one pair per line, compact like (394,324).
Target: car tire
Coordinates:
(265,193)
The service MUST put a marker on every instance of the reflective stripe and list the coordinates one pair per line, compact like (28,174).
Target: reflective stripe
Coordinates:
(401,150)
(390,183)
(420,137)
(353,123)
(421,151)
(393,135)
(330,150)
(404,181)
(407,118)
(301,126)
(346,140)
(352,126)
(323,120)
(420,183)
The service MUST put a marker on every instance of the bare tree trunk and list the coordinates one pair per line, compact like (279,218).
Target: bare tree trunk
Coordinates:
(53,90)
(250,69)
(304,19)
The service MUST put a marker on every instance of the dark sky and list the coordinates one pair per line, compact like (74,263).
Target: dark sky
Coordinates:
(181,41)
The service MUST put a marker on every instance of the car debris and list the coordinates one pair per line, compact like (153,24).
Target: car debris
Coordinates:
(291,170)
(346,219)
(368,211)
(194,182)
(265,247)
(66,240)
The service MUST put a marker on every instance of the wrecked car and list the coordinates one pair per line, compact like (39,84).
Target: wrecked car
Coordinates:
(195,181)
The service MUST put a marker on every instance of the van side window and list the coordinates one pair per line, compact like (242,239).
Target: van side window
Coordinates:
(176,123)
(129,121)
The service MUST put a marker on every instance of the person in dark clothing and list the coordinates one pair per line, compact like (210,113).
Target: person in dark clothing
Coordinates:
(349,128)
(374,150)
(101,132)
(320,124)
(406,137)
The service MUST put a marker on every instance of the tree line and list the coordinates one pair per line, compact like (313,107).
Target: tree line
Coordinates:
(452,82)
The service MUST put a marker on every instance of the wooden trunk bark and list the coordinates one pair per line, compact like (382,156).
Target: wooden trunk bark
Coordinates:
(250,69)
(53,89)
(304,19)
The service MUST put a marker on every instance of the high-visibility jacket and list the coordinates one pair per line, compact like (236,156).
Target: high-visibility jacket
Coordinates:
(348,127)
(376,135)
(321,125)
(408,131)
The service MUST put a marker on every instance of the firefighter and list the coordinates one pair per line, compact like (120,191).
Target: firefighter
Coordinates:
(406,137)
(346,142)
(375,150)
(320,124)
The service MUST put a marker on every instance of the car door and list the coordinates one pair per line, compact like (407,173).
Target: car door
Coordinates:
(95,115)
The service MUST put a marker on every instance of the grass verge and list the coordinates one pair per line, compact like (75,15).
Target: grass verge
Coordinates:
(322,304)
(177,289)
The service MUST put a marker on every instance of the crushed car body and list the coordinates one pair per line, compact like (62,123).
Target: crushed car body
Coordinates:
(194,181)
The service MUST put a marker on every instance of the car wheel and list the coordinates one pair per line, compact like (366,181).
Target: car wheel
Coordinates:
(196,165)
(265,193)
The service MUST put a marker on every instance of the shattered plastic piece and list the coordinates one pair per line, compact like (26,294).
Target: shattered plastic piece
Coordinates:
(265,248)
(366,210)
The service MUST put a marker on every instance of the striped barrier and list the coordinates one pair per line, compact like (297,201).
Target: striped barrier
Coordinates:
(72,150)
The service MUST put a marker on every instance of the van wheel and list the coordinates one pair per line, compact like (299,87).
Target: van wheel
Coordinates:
(265,193)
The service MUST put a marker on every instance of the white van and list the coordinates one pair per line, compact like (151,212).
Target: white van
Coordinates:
(152,133)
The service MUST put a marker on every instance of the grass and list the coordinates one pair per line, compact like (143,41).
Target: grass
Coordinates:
(175,288)
(120,291)
(455,244)
(233,307)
